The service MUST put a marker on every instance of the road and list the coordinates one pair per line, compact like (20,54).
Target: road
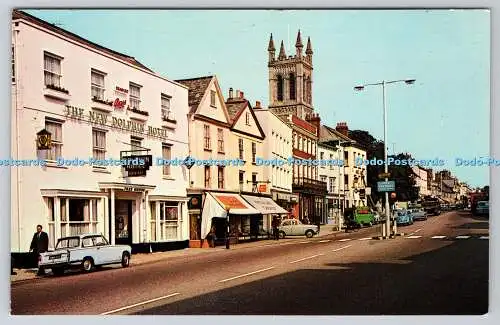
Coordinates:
(440,266)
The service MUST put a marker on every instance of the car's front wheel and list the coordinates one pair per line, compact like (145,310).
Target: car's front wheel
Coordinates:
(282,234)
(309,233)
(125,259)
(87,264)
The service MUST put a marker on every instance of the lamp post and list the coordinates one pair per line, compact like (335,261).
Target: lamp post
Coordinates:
(383,83)
(227,226)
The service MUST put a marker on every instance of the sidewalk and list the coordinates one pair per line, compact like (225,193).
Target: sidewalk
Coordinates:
(138,259)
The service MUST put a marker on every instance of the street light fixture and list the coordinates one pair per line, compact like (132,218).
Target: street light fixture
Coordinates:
(383,83)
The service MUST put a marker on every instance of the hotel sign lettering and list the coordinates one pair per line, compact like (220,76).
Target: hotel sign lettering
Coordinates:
(107,120)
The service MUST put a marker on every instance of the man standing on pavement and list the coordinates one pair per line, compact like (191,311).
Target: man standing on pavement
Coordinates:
(275,225)
(39,244)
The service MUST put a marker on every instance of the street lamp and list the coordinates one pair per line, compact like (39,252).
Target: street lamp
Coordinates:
(383,83)
(227,226)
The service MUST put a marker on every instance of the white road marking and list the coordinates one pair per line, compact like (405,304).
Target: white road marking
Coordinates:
(438,237)
(462,237)
(418,230)
(324,241)
(366,238)
(304,242)
(306,258)
(247,274)
(341,248)
(484,237)
(140,303)
(345,239)
(413,237)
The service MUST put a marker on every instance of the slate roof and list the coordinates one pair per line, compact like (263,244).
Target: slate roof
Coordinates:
(197,88)
(235,107)
(17,14)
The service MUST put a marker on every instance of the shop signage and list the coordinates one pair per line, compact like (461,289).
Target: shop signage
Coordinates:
(262,188)
(43,140)
(104,119)
(135,170)
(121,90)
(119,103)
(132,189)
(231,202)
(195,202)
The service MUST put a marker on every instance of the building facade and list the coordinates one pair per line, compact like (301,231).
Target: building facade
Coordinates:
(424,187)
(277,146)
(290,98)
(98,106)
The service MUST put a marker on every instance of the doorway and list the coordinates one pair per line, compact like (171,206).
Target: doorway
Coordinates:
(123,222)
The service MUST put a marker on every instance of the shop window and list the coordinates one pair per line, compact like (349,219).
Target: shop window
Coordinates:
(169,221)
(153,221)
(51,221)
(79,216)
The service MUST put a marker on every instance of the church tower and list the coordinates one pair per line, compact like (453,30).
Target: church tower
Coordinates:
(290,80)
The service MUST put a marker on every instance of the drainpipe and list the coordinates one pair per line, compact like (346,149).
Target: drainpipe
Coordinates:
(18,140)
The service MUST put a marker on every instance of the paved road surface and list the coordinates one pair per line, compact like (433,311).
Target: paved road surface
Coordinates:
(439,267)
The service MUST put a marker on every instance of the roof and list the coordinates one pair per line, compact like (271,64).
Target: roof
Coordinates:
(328,134)
(235,107)
(197,88)
(17,14)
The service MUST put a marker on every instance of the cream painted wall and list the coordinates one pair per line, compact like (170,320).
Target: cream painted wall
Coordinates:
(34,107)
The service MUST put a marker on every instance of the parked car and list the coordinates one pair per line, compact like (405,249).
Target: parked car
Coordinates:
(418,214)
(404,217)
(293,227)
(483,208)
(84,252)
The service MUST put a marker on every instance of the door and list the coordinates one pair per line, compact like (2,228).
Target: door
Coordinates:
(194,227)
(123,222)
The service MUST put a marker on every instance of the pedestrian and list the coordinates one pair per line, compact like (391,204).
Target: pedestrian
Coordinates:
(275,226)
(306,220)
(39,244)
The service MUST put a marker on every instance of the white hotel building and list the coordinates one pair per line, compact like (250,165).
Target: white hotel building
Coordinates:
(97,103)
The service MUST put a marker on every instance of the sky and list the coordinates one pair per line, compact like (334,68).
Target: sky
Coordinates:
(445,114)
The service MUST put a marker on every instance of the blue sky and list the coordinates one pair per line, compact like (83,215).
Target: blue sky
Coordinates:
(445,114)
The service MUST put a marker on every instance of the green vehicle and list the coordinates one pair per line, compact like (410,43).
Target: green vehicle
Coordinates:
(359,217)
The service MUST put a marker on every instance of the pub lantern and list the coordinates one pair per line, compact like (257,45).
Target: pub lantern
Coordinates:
(43,140)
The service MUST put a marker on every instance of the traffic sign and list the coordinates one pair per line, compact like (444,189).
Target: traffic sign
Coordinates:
(388,186)
(384,175)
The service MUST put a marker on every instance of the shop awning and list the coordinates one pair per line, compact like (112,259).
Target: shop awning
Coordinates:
(264,204)
(215,205)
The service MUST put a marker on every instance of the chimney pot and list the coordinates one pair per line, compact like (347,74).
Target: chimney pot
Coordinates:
(257,104)
(242,94)
(231,92)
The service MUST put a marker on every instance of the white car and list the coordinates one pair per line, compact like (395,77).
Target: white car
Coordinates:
(293,227)
(84,252)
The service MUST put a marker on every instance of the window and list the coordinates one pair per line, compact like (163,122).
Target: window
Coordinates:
(240,147)
(135,96)
(87,242)
(13,66)
(280,88)
(166,155)
(346,158)
(254,178)
(220,174)
(207,176)
(55,128)
(97,84)
(206,137)
(254,152)
(292,86)
(247,118)
(331,158)
(79,216)
(331,184)
(169,220)
(52,69)
(212,98)
(220,140)
(135,143)
(152,206)
(241,179)
(165,107)
(323,178)
(99,144)
(346,182)
(322,157)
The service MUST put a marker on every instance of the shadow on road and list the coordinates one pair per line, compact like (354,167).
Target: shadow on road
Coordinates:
(474,225)
(449,280)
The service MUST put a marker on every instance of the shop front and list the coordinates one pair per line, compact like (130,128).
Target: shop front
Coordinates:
(268,208)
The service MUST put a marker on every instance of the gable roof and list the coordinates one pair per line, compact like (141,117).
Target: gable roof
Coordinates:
(197,88)
(236,107)
(17,14)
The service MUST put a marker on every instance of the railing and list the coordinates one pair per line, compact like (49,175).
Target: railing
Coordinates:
(309,183)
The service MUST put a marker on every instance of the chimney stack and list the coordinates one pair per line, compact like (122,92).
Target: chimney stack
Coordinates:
(242,95)
(257,104)
(315,120)
(231,93)
(343,128)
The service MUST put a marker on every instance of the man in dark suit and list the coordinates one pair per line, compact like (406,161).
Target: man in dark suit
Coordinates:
(39,244)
